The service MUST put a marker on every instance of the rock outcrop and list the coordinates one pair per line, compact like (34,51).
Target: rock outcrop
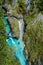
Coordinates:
(14,26)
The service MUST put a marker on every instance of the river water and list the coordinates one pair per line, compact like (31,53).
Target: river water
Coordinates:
(17,45)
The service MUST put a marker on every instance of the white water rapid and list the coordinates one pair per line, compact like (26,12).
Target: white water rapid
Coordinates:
(21,28)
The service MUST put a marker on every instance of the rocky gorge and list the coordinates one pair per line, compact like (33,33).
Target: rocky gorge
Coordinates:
(23,21)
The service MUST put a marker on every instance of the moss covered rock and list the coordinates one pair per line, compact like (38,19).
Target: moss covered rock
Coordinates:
(15,27)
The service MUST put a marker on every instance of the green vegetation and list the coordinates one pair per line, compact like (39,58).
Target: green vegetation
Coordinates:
(33,38)
(6,57)
(37,4)
(33,35)
(21,7)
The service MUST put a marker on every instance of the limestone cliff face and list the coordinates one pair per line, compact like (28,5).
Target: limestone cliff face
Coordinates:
(14,26)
